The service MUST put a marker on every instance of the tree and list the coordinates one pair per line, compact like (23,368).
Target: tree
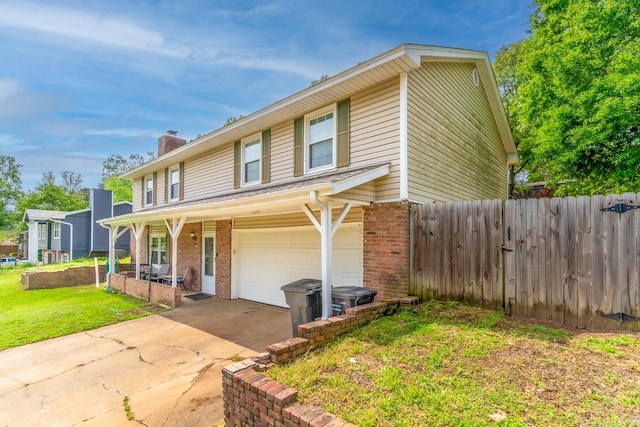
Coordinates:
(10,190)
(578,94)
(50,196)
(71,181)
(232,120)
(116,165)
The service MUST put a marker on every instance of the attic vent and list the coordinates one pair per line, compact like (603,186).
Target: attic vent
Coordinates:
(475,77)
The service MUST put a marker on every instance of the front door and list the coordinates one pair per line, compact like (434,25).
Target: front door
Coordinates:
(209,263)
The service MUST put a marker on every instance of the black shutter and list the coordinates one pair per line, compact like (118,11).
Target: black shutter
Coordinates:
(155,188)
(181,181)
(167,183)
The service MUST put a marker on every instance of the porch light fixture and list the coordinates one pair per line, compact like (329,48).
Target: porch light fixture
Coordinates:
(193,236)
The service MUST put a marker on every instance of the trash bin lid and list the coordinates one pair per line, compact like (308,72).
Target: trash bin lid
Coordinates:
(352,292)
(307,286)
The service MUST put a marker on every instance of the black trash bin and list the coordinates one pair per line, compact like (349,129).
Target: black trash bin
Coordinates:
(305,302)
(343,297)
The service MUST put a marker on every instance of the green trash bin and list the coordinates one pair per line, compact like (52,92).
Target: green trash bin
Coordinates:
(305,302)
(116,267)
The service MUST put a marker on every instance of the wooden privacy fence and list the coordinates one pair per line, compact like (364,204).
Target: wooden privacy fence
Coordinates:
(573,261)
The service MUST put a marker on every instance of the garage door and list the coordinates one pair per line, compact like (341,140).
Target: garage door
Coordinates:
(269,258)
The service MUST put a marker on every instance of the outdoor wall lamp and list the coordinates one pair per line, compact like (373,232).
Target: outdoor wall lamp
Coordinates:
(193,236)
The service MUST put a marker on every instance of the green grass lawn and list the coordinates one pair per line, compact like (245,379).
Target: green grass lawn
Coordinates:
(35,315)
(453,365)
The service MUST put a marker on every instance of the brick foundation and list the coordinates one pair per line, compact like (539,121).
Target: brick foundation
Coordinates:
(386,249)
(253,399)
(151,291)
(223,259)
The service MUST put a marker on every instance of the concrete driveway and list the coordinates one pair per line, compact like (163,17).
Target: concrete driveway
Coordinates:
(168,371)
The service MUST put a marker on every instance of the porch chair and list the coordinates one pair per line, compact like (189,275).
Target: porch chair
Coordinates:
(158,272)
(179,279)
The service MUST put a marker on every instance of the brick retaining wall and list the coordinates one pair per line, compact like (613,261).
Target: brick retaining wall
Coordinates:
(72,276)
(253,399)
(151,291)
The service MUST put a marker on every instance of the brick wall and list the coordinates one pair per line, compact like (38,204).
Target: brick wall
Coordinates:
(151,291)
(190,255)
(386,249)
(73,276)
(223,259)
(253,399)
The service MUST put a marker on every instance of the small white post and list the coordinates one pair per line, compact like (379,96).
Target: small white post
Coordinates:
(95,263)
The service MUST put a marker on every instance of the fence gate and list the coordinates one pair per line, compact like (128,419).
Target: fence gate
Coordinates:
(573,261)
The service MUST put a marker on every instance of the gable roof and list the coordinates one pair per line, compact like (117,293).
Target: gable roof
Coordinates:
(385,66)
(39,215)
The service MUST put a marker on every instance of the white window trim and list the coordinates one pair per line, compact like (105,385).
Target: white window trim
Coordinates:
(147,179)
(42,231)
(243,143)
(150,251)
(172,169)
(56,230)
(307,119)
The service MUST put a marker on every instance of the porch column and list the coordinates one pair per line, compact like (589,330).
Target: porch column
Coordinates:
(114,233)
(174,225)
(327,229)
(137,229)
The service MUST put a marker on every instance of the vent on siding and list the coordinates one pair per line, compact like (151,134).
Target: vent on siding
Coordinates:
(475,77)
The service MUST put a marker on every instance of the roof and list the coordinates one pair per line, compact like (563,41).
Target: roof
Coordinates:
(39,215)
(260,201)
(390,64)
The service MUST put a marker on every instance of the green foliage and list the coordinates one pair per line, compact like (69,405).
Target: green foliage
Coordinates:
(232,120)
(10,190)
(50,196)
(578,94)
(116,165)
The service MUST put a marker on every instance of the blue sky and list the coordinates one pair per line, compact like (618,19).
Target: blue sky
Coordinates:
(80,80)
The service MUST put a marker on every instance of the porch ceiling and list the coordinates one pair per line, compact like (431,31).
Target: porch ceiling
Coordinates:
(267,200)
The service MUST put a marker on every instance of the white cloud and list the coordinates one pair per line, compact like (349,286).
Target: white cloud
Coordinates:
(92,27)
(121,132)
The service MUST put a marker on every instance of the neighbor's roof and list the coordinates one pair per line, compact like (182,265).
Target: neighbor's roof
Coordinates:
(390,64)
(39,215)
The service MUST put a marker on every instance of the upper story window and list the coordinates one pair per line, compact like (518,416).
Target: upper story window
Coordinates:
(42,231)
(251,153)
(320,137)
(148,190)
(56,230)
(174,182)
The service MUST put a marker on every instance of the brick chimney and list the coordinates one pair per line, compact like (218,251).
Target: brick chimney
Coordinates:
(169,142)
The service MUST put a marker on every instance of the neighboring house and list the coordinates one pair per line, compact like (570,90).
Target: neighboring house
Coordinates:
(320,184)
(56,236)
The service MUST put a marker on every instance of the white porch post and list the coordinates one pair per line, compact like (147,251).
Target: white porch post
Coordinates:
(327,229)
(138,229)
(114,233)
(174,230)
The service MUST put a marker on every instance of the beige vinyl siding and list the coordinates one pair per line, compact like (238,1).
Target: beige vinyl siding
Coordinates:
(209,226)
(454,148)
(136,194)
(294,219)
(282,153)
(209,175)
(375,134)
(158,229)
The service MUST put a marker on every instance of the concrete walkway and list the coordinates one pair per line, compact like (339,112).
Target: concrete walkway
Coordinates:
(169,372)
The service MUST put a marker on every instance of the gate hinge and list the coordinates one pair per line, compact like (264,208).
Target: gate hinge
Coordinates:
(504,249)
(620,208)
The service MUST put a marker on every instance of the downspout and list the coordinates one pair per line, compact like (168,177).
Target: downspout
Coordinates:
(70,236)
(326,234)
(111,253)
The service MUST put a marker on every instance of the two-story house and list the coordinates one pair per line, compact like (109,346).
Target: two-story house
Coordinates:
(58,236)
(320,184)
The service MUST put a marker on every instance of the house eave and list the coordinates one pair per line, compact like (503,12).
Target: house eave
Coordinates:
(384,67)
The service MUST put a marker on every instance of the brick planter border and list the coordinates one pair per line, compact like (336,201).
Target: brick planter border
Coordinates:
(151,291)
(251,398)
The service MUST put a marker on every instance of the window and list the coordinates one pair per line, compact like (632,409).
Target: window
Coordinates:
(148,190)
(56,230)
(251,152)
(320,140)
(174,191)
(158,249)
(42,231)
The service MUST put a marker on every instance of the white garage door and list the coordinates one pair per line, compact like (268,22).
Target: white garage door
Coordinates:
(267,259)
